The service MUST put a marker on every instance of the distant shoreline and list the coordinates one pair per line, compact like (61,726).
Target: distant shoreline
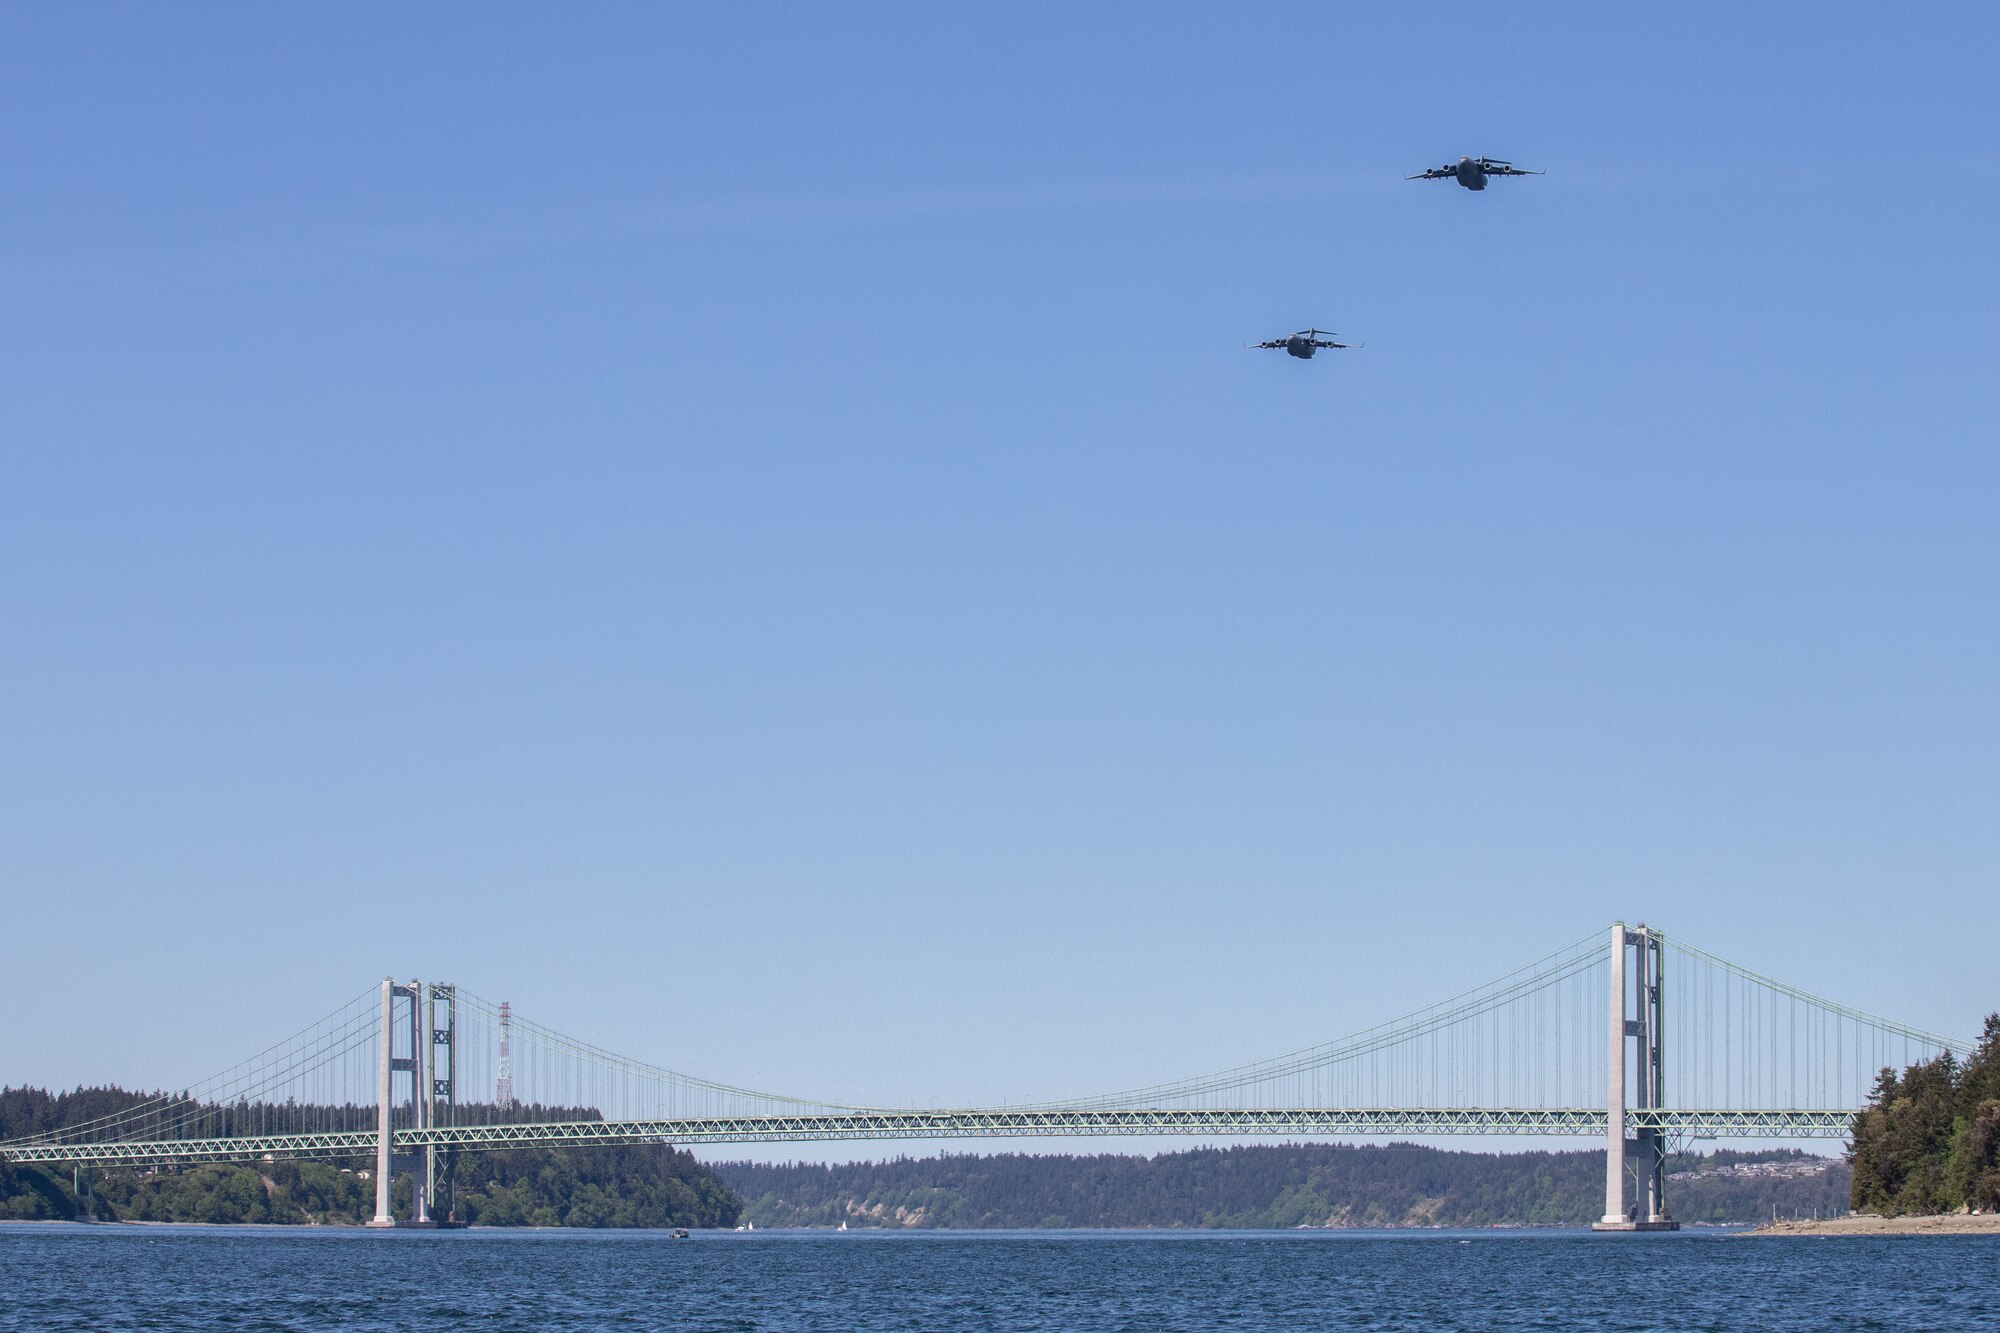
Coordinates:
(1941,1224)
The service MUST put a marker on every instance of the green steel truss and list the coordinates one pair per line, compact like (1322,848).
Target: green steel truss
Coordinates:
(1559,1122)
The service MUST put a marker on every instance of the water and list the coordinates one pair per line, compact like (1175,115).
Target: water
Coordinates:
(115,1278)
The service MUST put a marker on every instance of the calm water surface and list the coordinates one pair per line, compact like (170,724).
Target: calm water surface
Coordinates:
(109,1278)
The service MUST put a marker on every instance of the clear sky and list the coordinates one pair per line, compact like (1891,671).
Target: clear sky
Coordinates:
(750,531)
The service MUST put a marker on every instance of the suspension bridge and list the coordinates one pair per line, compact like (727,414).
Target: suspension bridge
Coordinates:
(1584,1043)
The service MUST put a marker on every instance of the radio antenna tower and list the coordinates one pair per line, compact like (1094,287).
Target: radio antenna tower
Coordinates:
(503,1094)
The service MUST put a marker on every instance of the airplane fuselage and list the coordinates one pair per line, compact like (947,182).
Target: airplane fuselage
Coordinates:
(1302,348)
(1471,174)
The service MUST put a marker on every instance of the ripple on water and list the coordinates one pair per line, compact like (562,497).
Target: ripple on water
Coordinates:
(54,1279)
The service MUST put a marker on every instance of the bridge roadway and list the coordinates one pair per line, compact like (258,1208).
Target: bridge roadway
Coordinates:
(1560,1122)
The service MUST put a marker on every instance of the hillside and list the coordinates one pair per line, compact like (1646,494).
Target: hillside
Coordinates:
(1285,1185)
(641,1186)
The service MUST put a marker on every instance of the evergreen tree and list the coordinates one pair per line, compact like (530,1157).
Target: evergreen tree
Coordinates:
(642,1185)
(1974,1168)
(1929,1141)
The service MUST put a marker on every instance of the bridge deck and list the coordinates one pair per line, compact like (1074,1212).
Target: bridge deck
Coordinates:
(1307,1122)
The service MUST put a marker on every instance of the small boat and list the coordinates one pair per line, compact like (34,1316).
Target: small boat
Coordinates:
(680,1233)
(842,1226)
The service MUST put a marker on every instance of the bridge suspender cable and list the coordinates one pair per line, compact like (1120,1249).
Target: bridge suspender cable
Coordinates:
(1738,1052)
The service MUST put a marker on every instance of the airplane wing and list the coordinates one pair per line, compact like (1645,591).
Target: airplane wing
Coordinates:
(1509,169)
(1435,173)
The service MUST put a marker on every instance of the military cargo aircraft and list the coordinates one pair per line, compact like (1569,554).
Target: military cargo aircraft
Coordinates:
(1303,343)
(1471,172)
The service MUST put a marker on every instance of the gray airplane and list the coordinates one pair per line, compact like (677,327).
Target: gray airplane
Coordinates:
(1471,172)
(1302,344)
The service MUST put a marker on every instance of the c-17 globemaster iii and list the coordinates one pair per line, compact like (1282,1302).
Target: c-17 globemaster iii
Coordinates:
(1471,172)
(1302,344)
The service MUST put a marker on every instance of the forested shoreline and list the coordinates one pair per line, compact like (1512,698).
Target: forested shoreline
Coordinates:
(1929,1140)
(1270,1185)
(649,1185)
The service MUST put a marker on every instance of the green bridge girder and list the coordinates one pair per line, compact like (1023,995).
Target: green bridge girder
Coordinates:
(1304,1122)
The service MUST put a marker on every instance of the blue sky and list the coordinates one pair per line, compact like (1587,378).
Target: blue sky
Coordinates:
(751,532)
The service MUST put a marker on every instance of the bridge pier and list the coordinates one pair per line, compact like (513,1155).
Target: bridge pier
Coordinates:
(1640,1160)
(86,1197)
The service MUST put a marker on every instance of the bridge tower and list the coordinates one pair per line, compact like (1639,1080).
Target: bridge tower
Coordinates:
(441,1164)
(1637,1011)
(503,1090)
(385,1068)
(432,1067)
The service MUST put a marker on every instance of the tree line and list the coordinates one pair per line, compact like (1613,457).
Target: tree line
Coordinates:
(648,1185)
(1270,1185)
(1929,1139)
